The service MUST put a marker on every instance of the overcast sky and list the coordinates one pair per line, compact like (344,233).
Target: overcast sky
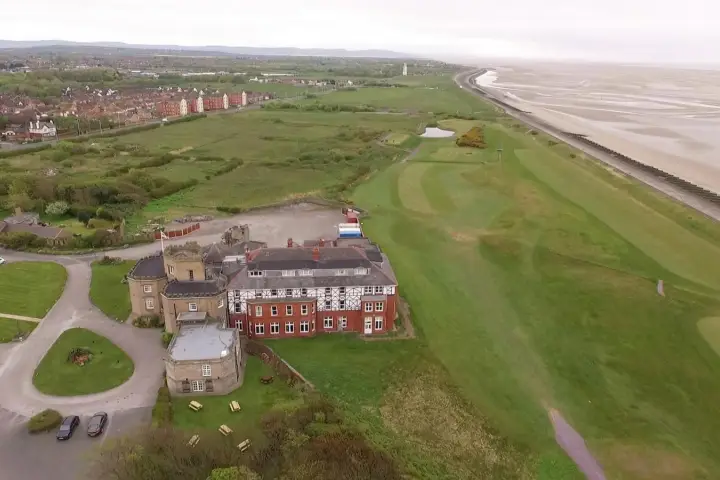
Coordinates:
(623,30)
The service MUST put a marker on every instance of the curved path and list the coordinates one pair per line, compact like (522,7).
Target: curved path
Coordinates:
(74,309)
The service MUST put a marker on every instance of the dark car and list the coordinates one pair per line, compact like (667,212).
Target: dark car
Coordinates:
(96,425)
(67,427)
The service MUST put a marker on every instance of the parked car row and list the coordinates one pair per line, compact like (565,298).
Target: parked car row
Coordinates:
(95,427)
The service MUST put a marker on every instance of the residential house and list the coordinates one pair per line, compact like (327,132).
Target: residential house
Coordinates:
(238,99)
(42,130)
(172,108)
(30,223)
(216,102)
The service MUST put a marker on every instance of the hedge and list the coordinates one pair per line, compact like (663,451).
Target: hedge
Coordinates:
(45,421)
(162,413)
(23,151)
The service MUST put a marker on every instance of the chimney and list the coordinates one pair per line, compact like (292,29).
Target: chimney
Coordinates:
(316,254)
(290,243)
(322,242)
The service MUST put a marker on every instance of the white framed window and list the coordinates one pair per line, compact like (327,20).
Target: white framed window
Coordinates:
(275,328)
(378,323)
(273,292)
(368,307)
(327,322)
(341,272)
(290,327)
(238,307)
(255,273)
(258,311)
(378,290)
(258,293)
(192,307)
(343,322)
(303,292)
(303,309)
(273,310)
(327,291)
(239,325)
(147,288)
(367,290)
(288,273)
(171,269)
(305,272)
(149,304)
(206,371)
(341,304)
(259,329)
(288,292)
(198,385)
(361,271)
(221,302)
(328,304)
(304,326)
(288,310)
(379,306)
(342,290)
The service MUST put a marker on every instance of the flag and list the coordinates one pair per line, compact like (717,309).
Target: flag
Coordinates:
(661,288)
(163,236)
(162,244)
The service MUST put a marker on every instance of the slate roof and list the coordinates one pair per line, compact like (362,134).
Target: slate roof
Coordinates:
(39,230)
(148,267)
(216,252)
(192,289)
(302,258)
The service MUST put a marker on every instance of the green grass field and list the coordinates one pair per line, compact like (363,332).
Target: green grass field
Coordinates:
(9,328)
(108,368)
(30,289)
(255,399)
(108,292)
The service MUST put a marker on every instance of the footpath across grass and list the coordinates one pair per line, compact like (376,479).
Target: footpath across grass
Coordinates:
(107,290)
(254,398)
(107,367)
(9,328)
(30,289)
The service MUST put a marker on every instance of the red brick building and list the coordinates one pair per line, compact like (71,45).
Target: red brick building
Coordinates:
(216,102)
(300,291)
(195,104)
(172,108)
(238,99)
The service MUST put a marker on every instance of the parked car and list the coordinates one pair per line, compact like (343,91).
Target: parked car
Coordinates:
(96,425)
(67,427)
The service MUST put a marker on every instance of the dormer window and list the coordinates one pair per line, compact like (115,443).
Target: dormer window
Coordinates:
(361,271)
(341,272)
(255,273)
(305,272)
(288,273)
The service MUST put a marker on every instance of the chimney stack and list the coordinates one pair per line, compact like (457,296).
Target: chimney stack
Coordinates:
(322,242)
(290,243)
(316,254)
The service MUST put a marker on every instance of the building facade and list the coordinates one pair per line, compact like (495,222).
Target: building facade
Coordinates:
(299,291)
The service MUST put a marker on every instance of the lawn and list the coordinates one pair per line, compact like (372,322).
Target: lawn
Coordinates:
(108,368)
(30,289)
(255,399)
(107,290)
(551,265)
(9,328)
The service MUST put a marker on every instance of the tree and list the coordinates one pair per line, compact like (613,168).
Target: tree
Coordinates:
(234,473)
(57,208)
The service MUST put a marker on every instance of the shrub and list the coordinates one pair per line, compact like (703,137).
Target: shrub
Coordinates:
(162,413)
(232,210)
(148,321)
(21,240)
(472,138)
(45,421)
(167,338)
(57,208)
(106,260)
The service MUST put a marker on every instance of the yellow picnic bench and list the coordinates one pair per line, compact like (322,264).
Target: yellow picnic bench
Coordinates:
(225,430)
(242,446)
(234,406)
(194,440)
(196,406)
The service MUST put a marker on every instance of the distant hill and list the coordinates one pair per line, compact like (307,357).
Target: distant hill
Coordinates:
(65,45)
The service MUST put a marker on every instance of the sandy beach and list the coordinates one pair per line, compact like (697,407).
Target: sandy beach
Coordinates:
(667,118)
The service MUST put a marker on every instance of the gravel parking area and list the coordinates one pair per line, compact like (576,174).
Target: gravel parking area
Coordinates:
(25,456)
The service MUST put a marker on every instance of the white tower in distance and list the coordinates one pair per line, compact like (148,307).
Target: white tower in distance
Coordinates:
(404,69)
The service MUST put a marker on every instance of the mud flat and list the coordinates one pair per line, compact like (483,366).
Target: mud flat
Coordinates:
(666,118)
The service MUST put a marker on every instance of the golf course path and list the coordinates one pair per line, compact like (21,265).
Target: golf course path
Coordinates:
(73,309)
